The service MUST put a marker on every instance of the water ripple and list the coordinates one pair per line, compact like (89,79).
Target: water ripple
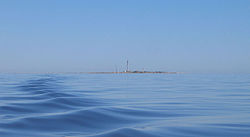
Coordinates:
(124,105)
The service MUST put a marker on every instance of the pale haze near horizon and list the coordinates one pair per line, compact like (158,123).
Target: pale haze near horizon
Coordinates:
(95,35)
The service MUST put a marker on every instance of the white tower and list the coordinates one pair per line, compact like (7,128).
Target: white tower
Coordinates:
(127,67)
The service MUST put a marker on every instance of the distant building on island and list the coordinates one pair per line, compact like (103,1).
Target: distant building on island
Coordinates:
(127,70)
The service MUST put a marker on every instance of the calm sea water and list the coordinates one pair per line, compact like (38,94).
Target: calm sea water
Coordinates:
(124,105)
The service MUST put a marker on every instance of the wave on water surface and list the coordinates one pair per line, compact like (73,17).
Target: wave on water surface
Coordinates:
(124,105)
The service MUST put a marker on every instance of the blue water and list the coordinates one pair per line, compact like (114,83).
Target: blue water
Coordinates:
(124,105)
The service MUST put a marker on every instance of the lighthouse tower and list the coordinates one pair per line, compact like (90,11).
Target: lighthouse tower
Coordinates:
(127,70)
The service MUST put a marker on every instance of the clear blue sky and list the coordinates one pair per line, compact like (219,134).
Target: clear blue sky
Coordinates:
(99,35)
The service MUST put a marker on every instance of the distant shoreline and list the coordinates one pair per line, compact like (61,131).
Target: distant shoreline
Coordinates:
(134,72)
(124,72)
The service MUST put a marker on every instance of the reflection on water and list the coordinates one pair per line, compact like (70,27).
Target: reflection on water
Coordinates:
(124,105)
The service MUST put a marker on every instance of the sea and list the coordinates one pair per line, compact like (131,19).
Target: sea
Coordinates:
(125,105)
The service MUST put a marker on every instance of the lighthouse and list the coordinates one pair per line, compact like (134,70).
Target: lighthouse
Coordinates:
(127,70)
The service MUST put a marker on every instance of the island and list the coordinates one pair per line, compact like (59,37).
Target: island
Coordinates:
(128,71)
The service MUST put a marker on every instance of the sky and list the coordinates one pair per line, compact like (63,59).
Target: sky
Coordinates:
(207,36)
